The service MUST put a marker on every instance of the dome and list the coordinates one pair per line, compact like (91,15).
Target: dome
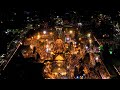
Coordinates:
(59,58)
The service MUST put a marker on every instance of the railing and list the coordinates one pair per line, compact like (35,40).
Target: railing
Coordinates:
(11,53)
(9,58)
(116,69)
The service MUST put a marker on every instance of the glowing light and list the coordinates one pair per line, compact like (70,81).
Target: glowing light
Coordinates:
(67,39)
(71,31)
(38,36)
(59,69)
(86,47)
(75,42)
(77,77)
(52,53)
(51,33)
(79,24)
(59,64)
(89,35)
(21,43)
(46,40)
(47,46)
(80,39)
(68,67)
(44,32)
(63,73)
(90,41)
(31,46)
(56,73)
(47,50)
(110,52)
(96,58)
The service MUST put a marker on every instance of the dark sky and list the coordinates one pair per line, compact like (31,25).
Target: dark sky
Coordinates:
(45,11)
(60,9)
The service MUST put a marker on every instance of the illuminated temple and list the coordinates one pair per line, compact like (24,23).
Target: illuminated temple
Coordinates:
(64,56)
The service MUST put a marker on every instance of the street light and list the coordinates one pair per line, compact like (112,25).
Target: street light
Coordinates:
(89,35)
(71,31)
(44,32)
(86,47)
(96,58)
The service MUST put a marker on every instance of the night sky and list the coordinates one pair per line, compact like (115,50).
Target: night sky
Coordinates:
(61,10)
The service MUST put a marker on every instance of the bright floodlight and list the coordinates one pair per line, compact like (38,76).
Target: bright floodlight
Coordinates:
(44,32)
(96,58)
(71,31)
(86,47)
(68,39)
(88,34)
